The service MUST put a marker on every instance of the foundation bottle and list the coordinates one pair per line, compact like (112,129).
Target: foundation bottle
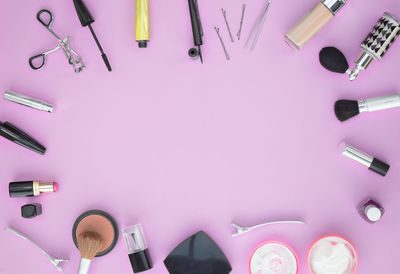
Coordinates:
(312,22)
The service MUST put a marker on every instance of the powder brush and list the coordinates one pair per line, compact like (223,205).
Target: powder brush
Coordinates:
(346,109)
(89,244)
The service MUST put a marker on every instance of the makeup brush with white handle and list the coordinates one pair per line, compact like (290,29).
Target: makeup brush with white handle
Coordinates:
(89,244)
(346,109)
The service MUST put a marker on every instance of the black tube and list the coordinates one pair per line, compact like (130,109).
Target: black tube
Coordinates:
(196,23)
(21,189)
(16,135)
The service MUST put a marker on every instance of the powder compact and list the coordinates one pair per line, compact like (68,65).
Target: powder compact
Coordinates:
(332,255)
(100,222)
(273,258)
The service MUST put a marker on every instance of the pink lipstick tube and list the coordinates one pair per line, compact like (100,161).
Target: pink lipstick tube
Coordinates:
(30,188)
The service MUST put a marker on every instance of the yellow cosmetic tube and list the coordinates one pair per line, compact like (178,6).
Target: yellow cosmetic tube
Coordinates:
(142,23)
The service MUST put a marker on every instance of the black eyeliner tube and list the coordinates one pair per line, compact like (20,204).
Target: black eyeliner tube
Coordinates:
(16,135)
(196,23)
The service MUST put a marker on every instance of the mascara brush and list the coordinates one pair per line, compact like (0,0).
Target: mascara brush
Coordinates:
(346,109)
(86,19)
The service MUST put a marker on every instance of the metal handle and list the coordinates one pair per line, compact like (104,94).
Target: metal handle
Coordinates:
(45,23)
(57,262)
(42,56)
(383,102)
(33,60)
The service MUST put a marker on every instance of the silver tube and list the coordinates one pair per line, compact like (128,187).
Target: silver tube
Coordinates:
(25,100)
(379,103)
(357,155)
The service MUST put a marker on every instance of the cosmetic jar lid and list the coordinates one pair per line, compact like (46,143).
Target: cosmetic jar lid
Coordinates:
(333,5)
(138,251)
(373,213)
(101,223)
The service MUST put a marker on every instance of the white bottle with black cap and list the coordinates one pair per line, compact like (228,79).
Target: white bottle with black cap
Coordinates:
(363,158)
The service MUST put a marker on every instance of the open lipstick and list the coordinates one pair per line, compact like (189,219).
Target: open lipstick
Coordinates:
(30,188)
(363,158)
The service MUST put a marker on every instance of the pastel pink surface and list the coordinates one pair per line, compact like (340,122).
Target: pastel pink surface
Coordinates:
(180,146)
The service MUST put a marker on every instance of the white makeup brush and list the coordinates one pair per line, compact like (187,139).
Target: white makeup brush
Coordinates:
(346,109)
(89,244)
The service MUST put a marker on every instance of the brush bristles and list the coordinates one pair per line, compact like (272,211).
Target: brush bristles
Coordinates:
(346,109)
(89,244)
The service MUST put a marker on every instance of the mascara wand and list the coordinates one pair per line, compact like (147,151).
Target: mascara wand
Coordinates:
(200,55)
(86,19)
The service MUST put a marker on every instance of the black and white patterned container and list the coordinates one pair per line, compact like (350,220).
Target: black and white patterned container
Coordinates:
(382,36)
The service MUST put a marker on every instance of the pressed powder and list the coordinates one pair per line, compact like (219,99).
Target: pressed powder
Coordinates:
(332,255)
(273,258)
(101,223)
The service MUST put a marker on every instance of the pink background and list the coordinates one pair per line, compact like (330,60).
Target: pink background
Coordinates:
(182,147)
